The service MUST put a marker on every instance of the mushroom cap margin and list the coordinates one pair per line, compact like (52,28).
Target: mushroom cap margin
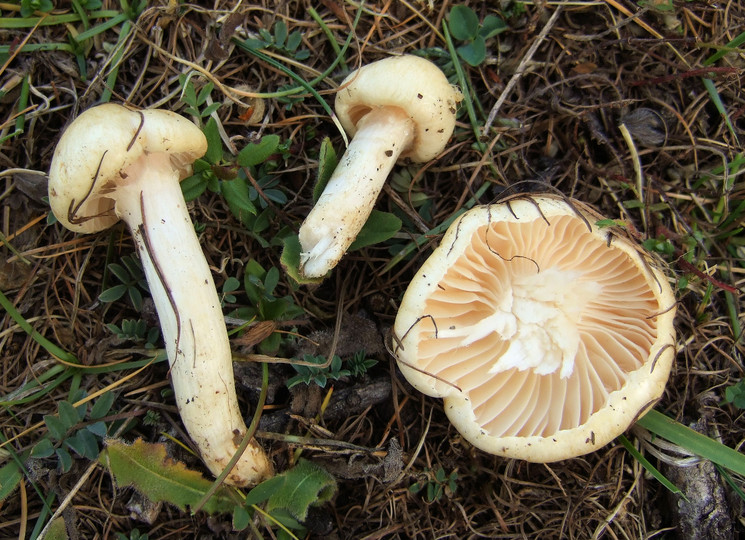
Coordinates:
(408,82)
(102,142)
(643,387)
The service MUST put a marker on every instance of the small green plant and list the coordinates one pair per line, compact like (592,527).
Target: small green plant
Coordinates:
(359,364)
(87,5)
(264,303)
(465,27)
(221,172)
(195,101)
(228,288)
(318,375)
(735,394)
(136,330)
(151,418)
(132,281)
(436,484)
(660,245)
(280,40)
(288,497)
(28,7)
(69,430)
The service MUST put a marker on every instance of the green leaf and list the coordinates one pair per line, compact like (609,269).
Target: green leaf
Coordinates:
(290,261)
(209,109)
(379,227)
(57,530)
(10,477)
(214,142)
(474,53)
(327,162)
(190,95)
(271,279)
(241,518)
(193,186)
(121,272)
(464,23)
(69,414)
(264,490)
(99,429)
(147,468)
(43,449)
(102,405)
(65,459)
(255,44)
(56,427)
(112,294)
(729,47)
(231,284)
(280,33)
(236,195)
(492,26)
(254,154)
(294,40)
(304,485)
(84,443)
(204,93)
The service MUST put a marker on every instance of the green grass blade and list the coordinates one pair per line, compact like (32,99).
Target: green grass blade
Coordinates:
(36,47)
(50,347)
(651,469)
(98,29)
(330,36)
(716,98)
(14,23)
(730,47)
(464,84)
(242,45)
(730,481)
(114,73)
(691,440)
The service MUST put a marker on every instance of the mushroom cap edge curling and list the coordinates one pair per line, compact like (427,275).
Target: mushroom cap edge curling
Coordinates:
(641,389)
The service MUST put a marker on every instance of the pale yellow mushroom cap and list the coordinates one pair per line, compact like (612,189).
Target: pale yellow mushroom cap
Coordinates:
(412,84)
(545,335)
(95,150)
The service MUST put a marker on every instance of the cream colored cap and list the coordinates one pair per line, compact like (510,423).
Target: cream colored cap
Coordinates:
(412,84)
(96,149)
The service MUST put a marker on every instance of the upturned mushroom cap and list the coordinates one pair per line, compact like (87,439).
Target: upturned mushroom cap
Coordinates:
(95,150)
(411,83)
(545,335)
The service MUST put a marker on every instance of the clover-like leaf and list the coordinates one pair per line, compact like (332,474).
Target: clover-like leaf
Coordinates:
(464,23)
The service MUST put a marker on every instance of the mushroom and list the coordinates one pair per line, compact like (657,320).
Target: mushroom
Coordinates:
(114,163)
(546,335)
(399,107)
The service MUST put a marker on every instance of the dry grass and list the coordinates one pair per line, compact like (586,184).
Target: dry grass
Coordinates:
(572,79)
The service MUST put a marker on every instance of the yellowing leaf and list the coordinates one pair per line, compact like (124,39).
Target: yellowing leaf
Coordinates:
(147,468)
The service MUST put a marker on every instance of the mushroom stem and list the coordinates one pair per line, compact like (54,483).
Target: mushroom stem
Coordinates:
(348,198)
(190,315)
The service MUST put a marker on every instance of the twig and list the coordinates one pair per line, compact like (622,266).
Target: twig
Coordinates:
(520,69)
